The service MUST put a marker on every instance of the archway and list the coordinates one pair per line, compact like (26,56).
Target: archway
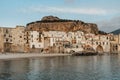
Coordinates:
(99,49)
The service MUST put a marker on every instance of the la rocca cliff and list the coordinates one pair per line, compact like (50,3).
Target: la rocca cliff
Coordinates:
(51,23)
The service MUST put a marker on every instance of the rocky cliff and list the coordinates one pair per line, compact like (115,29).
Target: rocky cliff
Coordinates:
(51,23)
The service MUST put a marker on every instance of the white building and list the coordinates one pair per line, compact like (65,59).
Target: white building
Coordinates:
(55,36)
(36,40)
(80,37)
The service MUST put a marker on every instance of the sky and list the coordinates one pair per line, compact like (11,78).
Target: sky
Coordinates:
(105,13)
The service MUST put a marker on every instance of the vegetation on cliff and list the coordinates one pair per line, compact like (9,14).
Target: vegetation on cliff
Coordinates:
(102,33)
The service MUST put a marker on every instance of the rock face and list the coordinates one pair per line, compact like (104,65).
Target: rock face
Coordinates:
(51,23)
(50,18)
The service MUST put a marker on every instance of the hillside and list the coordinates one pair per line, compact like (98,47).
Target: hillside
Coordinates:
(116,31)
(51,23)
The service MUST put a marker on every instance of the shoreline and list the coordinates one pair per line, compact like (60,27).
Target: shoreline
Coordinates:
(28,55)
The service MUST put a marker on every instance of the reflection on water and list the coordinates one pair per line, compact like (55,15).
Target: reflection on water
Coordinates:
(62,68)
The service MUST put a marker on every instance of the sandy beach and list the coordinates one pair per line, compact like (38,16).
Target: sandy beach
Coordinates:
(28,55)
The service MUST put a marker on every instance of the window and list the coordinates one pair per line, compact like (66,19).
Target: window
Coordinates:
(27,42)
(10,36)
(4,35)
(107,37)
(67,35)
(39,37)
(27,33)
(96,43)
(103,43)
(6,40)
(77,46)
(116,47)
(31,28)
(6,30)
(33,46)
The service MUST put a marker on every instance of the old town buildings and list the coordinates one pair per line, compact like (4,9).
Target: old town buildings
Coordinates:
(12,39)
(20,40)
(1,40)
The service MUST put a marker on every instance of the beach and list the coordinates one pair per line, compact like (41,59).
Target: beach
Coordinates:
(28,55)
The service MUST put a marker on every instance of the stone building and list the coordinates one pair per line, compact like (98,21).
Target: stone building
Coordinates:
(54,41)
(119,43)
(1,40)
(100,43)
(12,39)
(27,41)
(7,39)
(18,39)
(114,44)
(76,41)
(104,42)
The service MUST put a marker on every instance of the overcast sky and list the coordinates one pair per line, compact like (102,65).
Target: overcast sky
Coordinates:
(106,13)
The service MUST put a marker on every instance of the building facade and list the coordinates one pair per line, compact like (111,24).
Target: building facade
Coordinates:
(12,39)
(18,39)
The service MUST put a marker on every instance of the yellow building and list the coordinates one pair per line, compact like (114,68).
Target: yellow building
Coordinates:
(12,39)
(18,39)
(1,40)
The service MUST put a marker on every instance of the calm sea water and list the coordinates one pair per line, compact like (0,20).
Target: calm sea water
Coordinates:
(62,68)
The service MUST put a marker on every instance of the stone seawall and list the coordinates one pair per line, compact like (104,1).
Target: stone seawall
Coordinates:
(29,55)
